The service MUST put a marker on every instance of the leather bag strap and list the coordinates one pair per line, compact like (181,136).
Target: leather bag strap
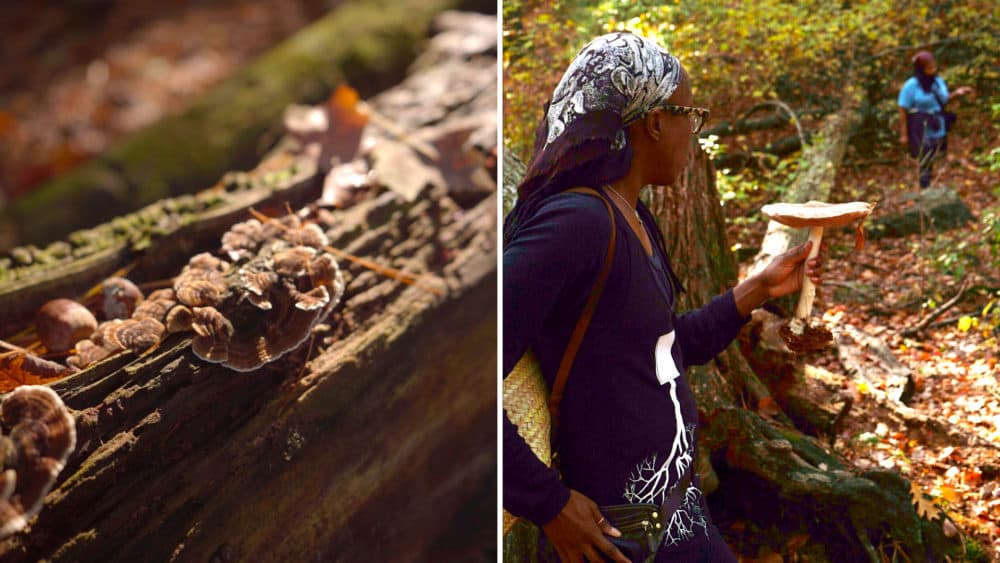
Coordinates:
(576,338)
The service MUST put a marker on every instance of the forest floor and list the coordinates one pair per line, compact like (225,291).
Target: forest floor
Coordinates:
(954,361)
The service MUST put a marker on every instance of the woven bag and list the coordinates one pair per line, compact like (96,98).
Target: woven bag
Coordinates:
(526,397)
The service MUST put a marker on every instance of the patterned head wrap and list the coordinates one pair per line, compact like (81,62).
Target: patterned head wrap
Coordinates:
(615,80)
(619,72)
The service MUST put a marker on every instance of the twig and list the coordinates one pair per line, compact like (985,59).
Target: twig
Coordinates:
(937,312)
(12,347)
(795,119)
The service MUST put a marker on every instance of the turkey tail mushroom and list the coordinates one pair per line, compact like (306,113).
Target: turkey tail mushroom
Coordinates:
(39,434)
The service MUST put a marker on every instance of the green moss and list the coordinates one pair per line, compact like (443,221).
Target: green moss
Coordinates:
(974,552)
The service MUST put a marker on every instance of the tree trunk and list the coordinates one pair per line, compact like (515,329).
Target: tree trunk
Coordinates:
(380,447)
(769,472)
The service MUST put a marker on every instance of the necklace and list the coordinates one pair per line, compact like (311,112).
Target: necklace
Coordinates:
(623,200)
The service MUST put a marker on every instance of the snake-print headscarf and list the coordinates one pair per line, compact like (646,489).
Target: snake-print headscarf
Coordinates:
(615,80)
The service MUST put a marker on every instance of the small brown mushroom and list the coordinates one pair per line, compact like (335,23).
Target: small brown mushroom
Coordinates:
(212,334)
(315,298)
(310,235)
(206,261)
(257,285)
(139,335)
(243,239)
(61,323)
(816,215)
(293,262)
(200,292)
(156,306)
(202,282)
(121,297)
(39,436)
(179,319)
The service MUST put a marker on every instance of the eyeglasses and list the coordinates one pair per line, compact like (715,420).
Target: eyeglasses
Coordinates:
(698,116)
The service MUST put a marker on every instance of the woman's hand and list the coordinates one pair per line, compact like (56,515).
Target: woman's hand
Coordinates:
(781,277)
(578,531)
(784,274)
(903,140)
(961,92)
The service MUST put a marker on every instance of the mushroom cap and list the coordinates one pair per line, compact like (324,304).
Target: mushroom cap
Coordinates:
(121,297)
(156,306)
(62,323)
(243,239)
(212,334)
(179,319)
(817,213)
(301,285)
(42,433)
(139,335)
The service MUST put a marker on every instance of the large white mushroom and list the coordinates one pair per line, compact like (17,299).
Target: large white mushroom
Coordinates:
(816,215)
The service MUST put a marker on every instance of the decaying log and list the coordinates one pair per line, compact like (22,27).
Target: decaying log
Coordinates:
(373,442)
(153,240)
(375,451)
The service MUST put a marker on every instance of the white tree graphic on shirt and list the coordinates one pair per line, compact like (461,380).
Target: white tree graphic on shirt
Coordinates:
(648,482)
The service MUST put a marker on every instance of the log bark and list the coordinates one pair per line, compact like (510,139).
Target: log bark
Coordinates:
(374,442)
(384,447)
(367,44)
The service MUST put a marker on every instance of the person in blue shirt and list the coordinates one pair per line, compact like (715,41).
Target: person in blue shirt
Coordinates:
(921,113)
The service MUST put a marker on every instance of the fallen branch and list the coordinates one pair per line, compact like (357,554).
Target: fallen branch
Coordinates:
(926,321)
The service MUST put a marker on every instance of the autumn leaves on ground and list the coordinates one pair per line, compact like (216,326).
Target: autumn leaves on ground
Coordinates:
(931,298)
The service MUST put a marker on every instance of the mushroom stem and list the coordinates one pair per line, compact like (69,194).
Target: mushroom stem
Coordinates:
(808,293)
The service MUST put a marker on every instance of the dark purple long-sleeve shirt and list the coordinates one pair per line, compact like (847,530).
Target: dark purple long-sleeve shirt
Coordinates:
(627,428)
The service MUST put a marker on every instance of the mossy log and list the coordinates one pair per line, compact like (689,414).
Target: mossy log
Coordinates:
(150,241)
(380,448)
(368,44)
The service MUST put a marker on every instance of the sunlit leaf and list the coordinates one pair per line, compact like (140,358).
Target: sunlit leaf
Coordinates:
(18,369)
(926,508)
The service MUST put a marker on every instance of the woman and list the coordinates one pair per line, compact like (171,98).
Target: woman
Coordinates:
(921,113)
(620,118)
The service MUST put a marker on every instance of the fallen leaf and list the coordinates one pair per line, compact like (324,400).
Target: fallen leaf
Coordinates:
(948,493)
(926,508)
(18,369)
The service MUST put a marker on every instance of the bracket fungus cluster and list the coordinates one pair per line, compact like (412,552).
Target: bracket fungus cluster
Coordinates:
(800,336)
(279,285)
(39,434)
